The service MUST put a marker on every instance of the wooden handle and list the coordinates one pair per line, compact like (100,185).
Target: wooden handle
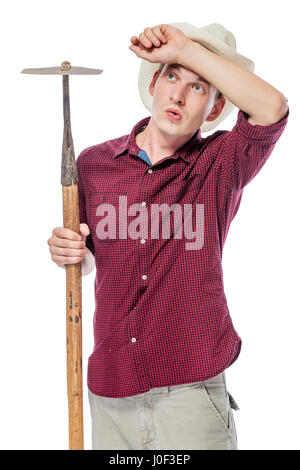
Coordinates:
(69,181)
(74,325)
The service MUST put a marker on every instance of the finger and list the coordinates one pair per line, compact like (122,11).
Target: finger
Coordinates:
(61,260)
(63,232)
(142,53)
(67,252)
(159,34)
(139,51)
(145,41)
(134,40)
(84,229)
(151,36)
(66,243)
(142,47)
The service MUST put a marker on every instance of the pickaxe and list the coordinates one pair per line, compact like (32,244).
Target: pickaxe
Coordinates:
(69,181)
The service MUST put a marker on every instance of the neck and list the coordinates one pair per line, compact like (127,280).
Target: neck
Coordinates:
(157,144)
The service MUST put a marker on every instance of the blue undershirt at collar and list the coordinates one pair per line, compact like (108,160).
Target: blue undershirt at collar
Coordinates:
(144,156)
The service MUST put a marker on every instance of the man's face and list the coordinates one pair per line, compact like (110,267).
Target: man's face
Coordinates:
(183,90)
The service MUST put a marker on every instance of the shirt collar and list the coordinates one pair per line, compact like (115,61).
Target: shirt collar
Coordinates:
(187,152)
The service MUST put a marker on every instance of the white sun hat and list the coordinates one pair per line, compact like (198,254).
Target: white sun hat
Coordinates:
(214,37)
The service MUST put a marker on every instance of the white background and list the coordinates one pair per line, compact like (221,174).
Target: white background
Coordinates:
(261,255)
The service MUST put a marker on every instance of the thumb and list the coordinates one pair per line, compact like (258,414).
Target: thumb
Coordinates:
(84,230)
(139,51)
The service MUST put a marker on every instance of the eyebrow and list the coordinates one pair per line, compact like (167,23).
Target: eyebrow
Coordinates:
(197,79)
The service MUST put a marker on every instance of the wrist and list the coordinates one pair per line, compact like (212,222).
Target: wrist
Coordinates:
(186,55)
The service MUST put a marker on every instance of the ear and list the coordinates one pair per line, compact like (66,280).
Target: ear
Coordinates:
(216,109)
(153,81)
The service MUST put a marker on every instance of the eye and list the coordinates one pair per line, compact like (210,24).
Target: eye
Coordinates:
(170,73)
(199,87)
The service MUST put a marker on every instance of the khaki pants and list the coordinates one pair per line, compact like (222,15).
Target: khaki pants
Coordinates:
(189,416)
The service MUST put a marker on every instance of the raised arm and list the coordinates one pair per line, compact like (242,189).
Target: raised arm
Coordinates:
(167,44)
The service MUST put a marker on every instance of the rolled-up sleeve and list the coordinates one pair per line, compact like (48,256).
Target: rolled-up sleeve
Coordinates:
(246,148)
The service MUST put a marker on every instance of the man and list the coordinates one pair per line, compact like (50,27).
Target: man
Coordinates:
(163,332)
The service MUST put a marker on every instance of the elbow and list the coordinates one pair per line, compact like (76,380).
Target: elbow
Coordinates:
(281,108)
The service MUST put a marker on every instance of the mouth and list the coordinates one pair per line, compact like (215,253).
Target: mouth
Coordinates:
(173,114)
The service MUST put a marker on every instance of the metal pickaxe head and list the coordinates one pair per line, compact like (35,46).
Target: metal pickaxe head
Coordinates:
(69,172)
(64,69)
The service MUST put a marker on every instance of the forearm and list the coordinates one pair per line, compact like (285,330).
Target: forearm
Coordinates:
(243,88)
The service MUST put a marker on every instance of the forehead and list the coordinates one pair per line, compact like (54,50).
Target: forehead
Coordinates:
(178,68)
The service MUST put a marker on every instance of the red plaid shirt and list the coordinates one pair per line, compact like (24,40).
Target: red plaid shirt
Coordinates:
(161,316)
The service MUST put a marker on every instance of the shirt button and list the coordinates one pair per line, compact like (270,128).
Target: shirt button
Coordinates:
(144,203)
(133,340)
(143,240)
(150,170)
(144,276)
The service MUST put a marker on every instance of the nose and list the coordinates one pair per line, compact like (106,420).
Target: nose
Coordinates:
(178,94)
